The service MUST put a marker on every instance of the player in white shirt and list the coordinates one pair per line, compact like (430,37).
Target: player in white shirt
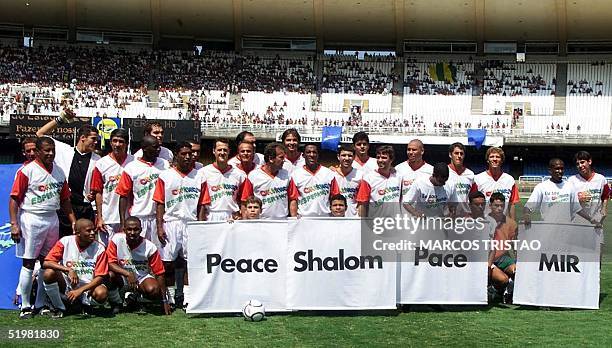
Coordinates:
(177,196)
(381,187)
(555,198)
(134,263)
(195,150)
(256,159)
(293,157)
(347,178)
(313,182)
(272,184)
(223,182)
(414,167)
(460,177)
(592,188)
(76,267)
(137,185)
(40,188)
(431,197)
(28,150)
(156,130)
(495,180)
(104,181)
(245,155)
(361,143)
(78,163)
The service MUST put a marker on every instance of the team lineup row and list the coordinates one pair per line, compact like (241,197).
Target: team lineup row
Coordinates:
(155,193)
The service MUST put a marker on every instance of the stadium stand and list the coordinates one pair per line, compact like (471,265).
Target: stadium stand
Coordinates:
(280,89)
(519,83)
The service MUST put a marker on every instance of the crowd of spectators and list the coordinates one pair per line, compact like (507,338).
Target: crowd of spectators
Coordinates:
(504,79)
(418,81)
(372,75)
(236,73)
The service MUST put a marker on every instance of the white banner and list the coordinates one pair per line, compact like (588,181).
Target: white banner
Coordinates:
(231,263)
(436,276)
(564,272)
(329,272)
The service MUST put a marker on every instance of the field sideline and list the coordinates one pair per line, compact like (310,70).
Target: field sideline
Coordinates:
(471,326)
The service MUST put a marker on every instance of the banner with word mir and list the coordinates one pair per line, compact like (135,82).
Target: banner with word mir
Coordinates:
(329,272)
(231,263)
(445,266)
(564,272)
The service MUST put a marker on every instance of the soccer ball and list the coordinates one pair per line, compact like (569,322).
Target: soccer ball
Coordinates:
(253,310)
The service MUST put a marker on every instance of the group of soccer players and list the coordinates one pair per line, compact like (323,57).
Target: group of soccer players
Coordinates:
(127,214)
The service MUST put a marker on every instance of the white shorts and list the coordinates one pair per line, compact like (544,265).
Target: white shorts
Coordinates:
(149,228)
(85,298)
(105,236)
(219,215)
(39,232)
(176,241)
(140,279)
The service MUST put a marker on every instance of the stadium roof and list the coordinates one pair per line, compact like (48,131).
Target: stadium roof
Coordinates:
(370,22)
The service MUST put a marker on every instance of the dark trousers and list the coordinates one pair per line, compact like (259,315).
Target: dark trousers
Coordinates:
(81,211)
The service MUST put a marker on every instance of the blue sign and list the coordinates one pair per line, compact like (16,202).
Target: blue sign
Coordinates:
(330,139)
(10,265)
(476,137)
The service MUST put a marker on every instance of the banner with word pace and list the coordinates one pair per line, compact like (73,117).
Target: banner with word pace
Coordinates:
(445,266)
(231,263)
(564,272)
(327,270)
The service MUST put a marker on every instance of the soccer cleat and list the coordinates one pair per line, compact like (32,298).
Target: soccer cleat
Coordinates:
(44,311)
(115,309)
(25,313)
(56,313)
(86,310)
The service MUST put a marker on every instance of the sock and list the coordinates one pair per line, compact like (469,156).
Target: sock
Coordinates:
(171,291)
(53,291)
(41,294)
(25,286)
(510,287)
(114,297)
(179,274)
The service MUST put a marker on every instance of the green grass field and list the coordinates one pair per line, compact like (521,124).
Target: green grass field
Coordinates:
(458,326)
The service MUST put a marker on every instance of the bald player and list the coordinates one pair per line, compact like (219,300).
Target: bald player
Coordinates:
(76,266)
(137,185)
(414,167)
(177,195)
